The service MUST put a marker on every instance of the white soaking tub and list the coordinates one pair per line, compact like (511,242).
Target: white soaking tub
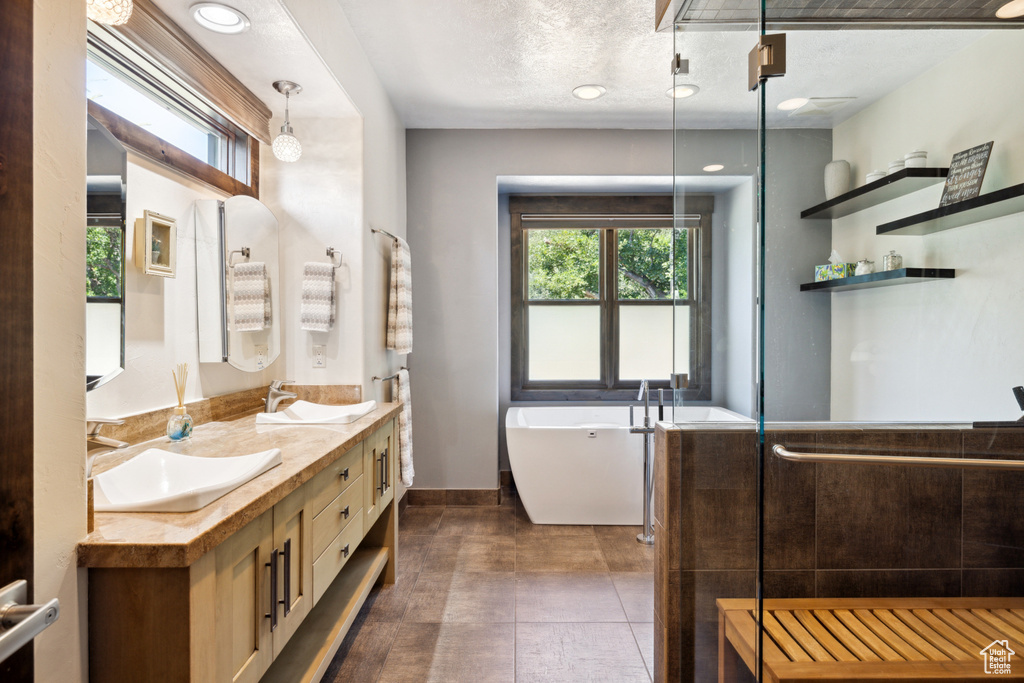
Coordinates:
(580,465)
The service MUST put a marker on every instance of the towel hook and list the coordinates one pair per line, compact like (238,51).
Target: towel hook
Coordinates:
(244,251)
(331,253)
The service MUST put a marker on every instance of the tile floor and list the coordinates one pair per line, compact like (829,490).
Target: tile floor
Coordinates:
(485,595)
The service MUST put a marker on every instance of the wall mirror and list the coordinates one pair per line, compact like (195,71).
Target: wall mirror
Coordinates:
(106,192)
(237,277)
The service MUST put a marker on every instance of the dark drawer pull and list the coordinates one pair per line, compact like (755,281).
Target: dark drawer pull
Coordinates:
(344,513)
(344,551)
(344,474)
(272,615)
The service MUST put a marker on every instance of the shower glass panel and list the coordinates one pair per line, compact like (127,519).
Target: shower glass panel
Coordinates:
(791,545)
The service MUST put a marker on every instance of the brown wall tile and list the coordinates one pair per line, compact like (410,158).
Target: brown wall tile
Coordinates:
(993,583)
(426,496)
(894,583)
(993,501)
(790,504)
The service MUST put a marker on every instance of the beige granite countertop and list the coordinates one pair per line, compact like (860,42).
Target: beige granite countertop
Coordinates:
(172,539)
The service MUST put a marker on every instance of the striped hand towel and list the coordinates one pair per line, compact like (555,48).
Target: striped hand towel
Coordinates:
(317,310)
(400,298)
(404,394)
(250,297)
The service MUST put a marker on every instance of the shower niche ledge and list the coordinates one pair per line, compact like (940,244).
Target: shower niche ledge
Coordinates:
(878,192)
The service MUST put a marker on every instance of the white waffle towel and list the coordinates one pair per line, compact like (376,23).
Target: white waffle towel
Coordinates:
(317,310)
(250,297)
(400,298)
(404,394)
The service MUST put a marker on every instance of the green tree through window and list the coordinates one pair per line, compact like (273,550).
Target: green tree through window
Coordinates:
(103,262)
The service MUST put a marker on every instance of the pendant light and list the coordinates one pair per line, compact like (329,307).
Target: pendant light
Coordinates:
(286,146)
(110,12)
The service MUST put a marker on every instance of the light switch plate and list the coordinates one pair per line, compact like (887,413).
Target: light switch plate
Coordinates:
(319,356)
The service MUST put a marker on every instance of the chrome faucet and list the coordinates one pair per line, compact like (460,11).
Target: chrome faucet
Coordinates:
(275,395)
(94,441)
(645,396)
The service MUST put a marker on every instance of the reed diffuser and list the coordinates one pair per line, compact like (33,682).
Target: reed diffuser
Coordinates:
(179,427)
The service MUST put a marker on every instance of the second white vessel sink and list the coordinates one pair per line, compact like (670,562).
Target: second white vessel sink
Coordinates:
(306,413)
(160,481)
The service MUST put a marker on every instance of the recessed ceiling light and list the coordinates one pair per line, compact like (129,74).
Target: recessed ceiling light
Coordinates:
(589,92)
(1011,10)
(713,168)
(790,105)
(681,91)
(220,18)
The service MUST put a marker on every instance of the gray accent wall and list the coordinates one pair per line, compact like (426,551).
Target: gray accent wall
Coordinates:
(458,232)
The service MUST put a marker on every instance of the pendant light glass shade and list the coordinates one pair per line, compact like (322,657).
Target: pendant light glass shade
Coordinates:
(286,146)
(110,12)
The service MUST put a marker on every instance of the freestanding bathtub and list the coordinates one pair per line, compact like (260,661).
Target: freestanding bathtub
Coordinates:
(580,465)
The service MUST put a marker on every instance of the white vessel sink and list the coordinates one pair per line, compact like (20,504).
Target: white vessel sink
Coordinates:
(306,413)
(160,481)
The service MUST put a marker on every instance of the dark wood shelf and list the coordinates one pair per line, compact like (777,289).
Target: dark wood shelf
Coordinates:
(882,190)
(886,278)
(982,208)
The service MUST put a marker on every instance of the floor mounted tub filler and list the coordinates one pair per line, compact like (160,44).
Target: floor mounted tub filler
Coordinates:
(580,465)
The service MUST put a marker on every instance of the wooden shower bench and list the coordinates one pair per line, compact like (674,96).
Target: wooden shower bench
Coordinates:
(869,639)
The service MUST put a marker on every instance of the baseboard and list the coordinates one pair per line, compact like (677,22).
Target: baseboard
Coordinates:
(453,496)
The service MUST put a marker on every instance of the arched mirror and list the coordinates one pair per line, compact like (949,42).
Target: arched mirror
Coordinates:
(106,187)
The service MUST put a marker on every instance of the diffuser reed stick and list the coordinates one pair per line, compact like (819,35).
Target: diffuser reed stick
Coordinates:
(179,427)
(180,377)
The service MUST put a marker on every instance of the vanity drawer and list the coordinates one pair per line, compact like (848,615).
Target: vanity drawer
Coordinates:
(336,516)
(336,555)
(335,478)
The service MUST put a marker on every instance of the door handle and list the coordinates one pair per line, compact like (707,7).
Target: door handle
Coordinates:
(287,602)
(273,589)
(20,623)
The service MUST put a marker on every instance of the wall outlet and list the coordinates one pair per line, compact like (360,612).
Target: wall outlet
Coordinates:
(261,357)
(319,356)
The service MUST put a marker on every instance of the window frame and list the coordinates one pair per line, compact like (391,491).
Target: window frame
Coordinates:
(154,53)
(586,210)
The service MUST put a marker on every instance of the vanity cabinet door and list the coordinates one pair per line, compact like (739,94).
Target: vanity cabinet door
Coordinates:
(293,524)
(244,641)
(376,456)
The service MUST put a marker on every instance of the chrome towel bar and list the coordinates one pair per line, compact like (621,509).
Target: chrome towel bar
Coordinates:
(385,379)
(906,461)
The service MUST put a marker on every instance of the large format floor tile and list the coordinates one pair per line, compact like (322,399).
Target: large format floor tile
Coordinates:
(559,554)
(420,520)
(622,551)
(470,554)
(361,656)
(578,653)
(566,597)
(470,597)
(478,521)
(451,653)
(636,591)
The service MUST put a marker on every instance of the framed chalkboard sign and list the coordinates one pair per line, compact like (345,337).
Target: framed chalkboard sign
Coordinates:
(966,171)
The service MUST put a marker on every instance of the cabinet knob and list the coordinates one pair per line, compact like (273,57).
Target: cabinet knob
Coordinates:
(344,474)
(344,513)
(344,551)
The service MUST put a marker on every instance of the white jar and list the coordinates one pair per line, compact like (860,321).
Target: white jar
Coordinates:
(915,159)
(874,175)
(895,166)
(864,267)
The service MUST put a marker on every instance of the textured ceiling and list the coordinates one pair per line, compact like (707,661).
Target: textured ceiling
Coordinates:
(272,49)
(514,63)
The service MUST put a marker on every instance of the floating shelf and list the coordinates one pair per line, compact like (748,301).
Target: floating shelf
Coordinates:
(982,208)
(882,190)
(886,278)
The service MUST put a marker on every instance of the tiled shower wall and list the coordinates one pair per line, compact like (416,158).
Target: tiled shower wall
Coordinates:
(838,530)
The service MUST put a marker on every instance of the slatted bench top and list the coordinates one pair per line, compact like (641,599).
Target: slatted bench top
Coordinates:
(868,639)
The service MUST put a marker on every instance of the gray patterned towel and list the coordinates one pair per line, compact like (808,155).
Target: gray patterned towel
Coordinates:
(400,298)
(250,297)
(404,394)
(317,310)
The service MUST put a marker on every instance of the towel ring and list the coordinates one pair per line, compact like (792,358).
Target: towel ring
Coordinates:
(244,251)
(331,252)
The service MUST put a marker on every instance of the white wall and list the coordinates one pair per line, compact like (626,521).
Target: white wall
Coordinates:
(59,330)
(936,350)
(318,202)
(738,280)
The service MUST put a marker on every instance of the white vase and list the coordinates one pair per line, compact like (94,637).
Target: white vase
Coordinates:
(837,178)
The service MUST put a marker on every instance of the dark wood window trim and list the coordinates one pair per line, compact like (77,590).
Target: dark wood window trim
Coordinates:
(143,142)
(153,50)
(699,288)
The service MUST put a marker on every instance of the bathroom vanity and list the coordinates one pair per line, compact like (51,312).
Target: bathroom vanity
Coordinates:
(263,583)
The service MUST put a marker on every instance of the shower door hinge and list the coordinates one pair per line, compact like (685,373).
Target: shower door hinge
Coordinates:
(680,66)
(767,59)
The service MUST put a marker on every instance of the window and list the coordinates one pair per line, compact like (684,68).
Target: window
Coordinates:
(161,95)
(605,293)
